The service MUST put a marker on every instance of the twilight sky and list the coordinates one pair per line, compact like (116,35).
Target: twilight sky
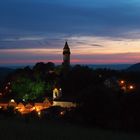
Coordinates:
(98,31)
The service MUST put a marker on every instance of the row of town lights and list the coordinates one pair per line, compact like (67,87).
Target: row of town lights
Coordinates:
(123,83)
(21,110)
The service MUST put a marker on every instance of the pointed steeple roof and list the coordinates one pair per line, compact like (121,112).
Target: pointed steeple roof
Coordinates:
(66,46)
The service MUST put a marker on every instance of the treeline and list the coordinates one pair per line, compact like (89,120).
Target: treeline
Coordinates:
(102,105)
(100,98)
(29,84)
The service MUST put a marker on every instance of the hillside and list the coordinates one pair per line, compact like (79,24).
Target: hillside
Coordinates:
(45,130)
(135,67)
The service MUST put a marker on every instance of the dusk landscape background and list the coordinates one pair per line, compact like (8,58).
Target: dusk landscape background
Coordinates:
(98,31)
(70,69)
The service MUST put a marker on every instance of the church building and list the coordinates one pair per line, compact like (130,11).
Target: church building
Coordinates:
(58,99)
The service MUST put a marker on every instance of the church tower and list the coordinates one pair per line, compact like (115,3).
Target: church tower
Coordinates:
(66,55)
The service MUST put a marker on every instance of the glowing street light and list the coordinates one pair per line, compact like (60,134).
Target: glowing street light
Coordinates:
(62,113)
(122,82)
(39,114)
(131,87)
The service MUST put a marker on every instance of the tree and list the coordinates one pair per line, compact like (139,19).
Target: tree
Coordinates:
(26,89)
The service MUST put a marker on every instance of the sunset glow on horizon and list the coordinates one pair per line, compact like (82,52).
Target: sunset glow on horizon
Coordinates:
(109,52)
(98,32)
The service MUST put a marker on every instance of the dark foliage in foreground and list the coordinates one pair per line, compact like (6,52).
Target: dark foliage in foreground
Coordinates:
(104,106)
(98,104)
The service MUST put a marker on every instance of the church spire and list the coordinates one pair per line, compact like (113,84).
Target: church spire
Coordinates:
(66,45)
(66,54)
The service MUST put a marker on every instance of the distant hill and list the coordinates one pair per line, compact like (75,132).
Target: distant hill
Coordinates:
(4,72)
(110,66)
(5,69)
(135,67)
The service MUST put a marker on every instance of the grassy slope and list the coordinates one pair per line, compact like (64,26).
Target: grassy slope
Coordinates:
(41,130)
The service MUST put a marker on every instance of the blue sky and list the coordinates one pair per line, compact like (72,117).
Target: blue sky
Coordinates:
(95,29)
